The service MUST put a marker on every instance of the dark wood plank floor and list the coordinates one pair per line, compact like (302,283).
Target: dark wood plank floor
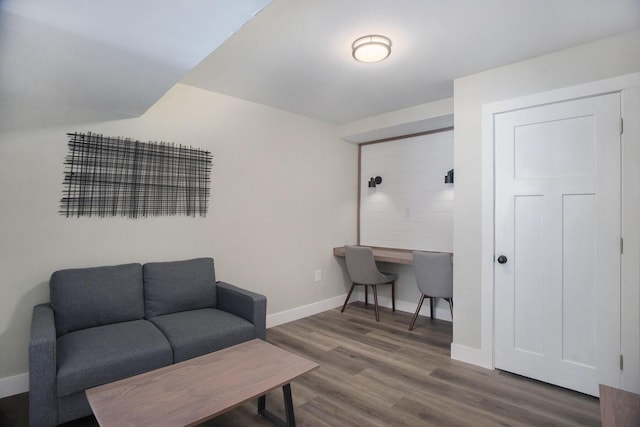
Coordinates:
(380,374)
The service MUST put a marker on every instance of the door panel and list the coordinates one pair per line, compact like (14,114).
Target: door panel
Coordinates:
(557,220)
(578,281)
(570,140)
(528,322)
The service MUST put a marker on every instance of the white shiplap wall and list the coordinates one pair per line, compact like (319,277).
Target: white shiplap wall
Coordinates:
(413,207)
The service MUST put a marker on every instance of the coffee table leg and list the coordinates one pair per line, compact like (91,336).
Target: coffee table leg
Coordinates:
(288,409)
(262,404)
(288,405)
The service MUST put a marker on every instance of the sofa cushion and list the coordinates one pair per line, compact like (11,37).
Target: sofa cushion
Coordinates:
(197,332)
(103,354)
(87,297)
(175,286)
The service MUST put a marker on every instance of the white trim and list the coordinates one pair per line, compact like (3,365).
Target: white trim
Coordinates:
(487,243)
(471,355)
(287,316)
(17,384)
(20,383)
(14,385)
(275,319)
(600,87)
(630,292)
(442,309)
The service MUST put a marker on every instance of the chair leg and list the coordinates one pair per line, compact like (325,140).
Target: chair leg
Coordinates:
(415,316)
(366,295)
(451,306)
(432,309)
(375,301)
(393,295)
(353,285)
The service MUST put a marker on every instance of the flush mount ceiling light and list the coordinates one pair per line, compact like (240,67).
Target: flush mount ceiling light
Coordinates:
(371,48)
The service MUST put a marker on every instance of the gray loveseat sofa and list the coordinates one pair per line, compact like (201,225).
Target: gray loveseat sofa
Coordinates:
(108,323)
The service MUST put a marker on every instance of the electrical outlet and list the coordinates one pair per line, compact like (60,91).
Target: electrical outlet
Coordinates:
(318,275)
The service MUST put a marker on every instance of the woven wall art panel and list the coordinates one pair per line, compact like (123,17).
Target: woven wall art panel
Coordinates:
(107,176)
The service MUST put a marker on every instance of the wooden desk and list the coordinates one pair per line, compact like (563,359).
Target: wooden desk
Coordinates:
(395,256)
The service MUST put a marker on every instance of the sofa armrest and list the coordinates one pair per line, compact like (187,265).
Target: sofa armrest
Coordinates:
(246,304)
(43,401)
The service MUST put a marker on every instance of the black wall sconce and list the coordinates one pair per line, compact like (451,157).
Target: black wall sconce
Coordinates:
(448,178)
(375,181)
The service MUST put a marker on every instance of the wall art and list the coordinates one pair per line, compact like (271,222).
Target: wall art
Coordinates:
(107,176)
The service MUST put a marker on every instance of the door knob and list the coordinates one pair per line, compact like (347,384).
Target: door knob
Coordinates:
(502,259)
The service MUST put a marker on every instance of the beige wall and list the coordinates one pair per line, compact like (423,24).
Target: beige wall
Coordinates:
(585,63)
(283,193)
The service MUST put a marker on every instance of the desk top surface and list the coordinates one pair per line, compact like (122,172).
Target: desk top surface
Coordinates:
(392,255)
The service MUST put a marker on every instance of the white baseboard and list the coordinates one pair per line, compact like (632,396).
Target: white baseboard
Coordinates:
(20,383)
(442,309)
(275,319)
(286,316)
(475,356)
(14,385)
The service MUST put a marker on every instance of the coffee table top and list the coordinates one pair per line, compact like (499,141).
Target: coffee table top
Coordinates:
(191,392)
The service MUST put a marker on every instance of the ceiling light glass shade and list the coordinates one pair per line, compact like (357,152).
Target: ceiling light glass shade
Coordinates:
(371,48)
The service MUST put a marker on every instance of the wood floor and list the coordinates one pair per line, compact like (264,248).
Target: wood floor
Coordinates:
(380,374)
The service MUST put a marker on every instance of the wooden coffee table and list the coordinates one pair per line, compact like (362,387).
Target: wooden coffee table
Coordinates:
(196,390)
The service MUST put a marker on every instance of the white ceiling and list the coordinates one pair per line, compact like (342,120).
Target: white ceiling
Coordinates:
(174,32)
(296,54)
(65,59)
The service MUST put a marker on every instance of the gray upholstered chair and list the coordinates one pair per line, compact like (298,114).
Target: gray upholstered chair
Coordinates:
(434,275)
(362,270)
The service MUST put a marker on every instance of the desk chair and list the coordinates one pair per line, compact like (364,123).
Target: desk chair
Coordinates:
(434,275)
(362,270)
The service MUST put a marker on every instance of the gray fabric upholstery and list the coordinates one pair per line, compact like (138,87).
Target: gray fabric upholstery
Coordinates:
(42,368)
(94,330)
(103,354)
(170,287)
(362,267)
(246,304)
(86,297)
(434,274)
(197,332)
(73,407)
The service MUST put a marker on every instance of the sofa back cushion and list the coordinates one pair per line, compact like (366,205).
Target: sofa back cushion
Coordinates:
(175,286)
(86,297)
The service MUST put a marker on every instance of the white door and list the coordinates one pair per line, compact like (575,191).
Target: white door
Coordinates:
(557,225)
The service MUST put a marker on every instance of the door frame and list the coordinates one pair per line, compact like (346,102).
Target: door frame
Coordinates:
(630,286)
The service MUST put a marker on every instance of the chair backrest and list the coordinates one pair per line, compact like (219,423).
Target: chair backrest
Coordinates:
(362,267)
(434,273)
